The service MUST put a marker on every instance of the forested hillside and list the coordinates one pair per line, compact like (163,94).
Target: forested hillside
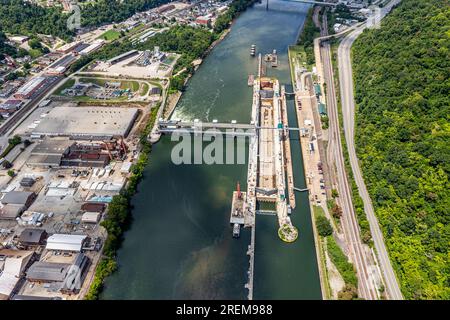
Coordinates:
(403,139)
(19,17)
(5,48)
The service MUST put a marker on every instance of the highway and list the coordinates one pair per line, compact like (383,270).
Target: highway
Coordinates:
(348,111)
(366,287)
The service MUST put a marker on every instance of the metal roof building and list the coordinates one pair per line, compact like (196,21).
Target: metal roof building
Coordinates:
(87,122)
(49,152)
(32,236)
(47,271)
(11,269)
(322,109)
(90,217)
(66,242)
(17,197)
(76,274)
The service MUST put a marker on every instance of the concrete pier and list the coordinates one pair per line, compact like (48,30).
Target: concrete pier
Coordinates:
(287,151)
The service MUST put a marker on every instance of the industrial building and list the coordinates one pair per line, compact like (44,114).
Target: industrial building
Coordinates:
(91,217)
(12,265)
(49,152)
(63,152)
(27,182)
(34,87)
(69,276)
(14,203)
(93,47)
(32,237)
(11,104)
(66,242)
(89,123)
(76,274)
(122,57)
(29,88)
(93,207)
(47,272)
(68,47)
(60,66)
(165,8)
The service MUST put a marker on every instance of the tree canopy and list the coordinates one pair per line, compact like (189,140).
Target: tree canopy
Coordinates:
(20,17)
(402,86)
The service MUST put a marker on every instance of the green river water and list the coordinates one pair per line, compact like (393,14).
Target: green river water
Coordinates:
(180,245)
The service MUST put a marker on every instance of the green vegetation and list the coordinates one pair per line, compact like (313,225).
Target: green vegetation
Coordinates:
(309,32)
(14,141)
(118,215)
(108,11)
(341,262)
(334,193)
(6,164)
(5,48)
(19,17)
(144,89)
(288,233)
(66,85)
(124,84)
(402,92)
(323,226)
(191,43)
(110,35)
(224,20)
(320,245)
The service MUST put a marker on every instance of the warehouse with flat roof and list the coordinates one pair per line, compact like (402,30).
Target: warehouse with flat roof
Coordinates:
(87,122)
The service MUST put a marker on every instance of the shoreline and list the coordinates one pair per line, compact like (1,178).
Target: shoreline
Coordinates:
(107,264)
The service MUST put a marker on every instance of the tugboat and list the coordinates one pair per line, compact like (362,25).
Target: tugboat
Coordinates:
(236,230)
(253,50)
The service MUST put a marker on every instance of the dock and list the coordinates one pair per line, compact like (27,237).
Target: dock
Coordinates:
(287,151)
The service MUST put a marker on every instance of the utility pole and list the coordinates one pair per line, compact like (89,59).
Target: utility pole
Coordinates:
(267,5)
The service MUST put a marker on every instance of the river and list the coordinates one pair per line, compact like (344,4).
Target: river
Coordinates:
(179,245)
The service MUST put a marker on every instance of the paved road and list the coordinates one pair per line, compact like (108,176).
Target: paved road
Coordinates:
(348,110)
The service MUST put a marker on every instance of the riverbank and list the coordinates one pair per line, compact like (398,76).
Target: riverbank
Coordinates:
(119,210)
(118,215)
